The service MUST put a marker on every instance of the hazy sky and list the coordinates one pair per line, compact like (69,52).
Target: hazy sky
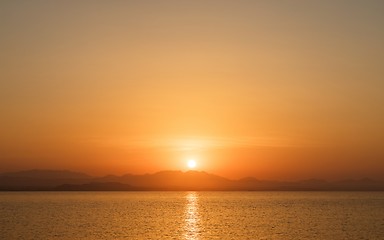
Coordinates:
(271,89)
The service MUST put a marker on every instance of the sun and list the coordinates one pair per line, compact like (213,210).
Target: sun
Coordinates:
(191,164)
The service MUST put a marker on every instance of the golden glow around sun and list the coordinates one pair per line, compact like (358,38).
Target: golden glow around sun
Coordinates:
(191,163)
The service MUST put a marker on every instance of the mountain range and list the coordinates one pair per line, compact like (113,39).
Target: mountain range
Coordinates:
(54,180)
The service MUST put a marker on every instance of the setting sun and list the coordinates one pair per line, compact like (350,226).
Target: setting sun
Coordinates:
(191,164)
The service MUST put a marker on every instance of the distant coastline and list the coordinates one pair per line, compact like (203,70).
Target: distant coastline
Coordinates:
(53,180)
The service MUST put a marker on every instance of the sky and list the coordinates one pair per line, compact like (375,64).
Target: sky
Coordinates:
(272,89)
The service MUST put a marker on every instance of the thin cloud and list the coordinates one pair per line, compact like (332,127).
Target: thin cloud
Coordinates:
(197,143)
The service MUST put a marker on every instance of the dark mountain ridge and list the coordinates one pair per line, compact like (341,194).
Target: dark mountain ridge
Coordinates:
(40,179)
(53,180)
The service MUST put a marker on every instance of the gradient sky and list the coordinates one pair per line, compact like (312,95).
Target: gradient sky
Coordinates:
(270,89)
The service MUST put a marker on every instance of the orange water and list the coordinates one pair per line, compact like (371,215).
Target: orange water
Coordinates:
(192,215)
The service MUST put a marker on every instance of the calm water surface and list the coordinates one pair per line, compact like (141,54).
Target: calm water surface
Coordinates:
(192,215)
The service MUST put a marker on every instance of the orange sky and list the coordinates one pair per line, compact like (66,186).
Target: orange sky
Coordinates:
(271,89)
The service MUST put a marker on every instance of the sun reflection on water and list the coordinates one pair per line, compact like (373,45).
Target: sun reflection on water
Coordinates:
(191,216)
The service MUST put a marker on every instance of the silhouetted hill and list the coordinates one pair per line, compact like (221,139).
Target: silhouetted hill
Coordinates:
(191,180)
(96,186)
(364,184)
(40,179)
(168,180)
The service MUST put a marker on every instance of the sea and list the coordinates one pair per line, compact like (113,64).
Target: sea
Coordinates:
(191,215)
